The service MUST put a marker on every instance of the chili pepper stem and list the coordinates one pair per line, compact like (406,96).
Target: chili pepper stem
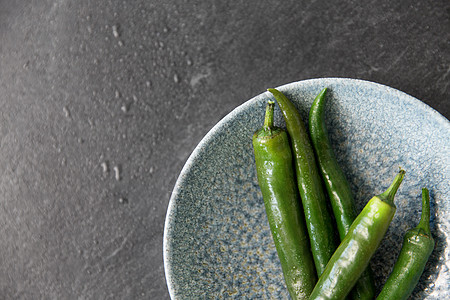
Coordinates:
(424,223)
(389,194)
(268,119)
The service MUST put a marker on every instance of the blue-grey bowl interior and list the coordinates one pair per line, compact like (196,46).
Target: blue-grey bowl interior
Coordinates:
(217,242)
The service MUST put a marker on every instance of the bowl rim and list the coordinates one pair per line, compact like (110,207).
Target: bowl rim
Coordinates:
(236,111)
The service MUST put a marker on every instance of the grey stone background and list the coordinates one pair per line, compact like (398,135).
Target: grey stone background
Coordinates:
(101,103)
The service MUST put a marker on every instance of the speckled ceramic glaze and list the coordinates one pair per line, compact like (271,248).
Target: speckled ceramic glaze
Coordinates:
(217,242)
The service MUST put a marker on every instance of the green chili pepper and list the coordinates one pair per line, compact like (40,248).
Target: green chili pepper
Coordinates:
(337,186)
(318,219)
(275,173)
(356,249)
(418,244)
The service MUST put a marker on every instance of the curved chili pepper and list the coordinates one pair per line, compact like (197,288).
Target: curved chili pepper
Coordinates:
(356,249)
(275,173)
(318,219)
(418,244)
(337,186)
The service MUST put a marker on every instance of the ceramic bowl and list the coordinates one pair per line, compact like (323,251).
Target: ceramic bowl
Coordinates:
(217,242)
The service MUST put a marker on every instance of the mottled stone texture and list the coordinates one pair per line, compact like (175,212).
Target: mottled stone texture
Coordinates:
(103,101)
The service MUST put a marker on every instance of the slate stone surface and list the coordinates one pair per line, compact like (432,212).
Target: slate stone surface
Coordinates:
(103,101)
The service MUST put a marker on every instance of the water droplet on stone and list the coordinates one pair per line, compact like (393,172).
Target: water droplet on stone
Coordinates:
(116,172)
(66,112)
(104,166)
(115,31)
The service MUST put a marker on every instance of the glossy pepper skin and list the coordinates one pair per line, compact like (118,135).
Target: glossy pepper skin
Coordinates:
(356,249)
(337,186)
(318,219)
(275,173)
(418,244)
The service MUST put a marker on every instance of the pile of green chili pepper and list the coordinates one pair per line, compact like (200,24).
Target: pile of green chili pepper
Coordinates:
(298,174)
